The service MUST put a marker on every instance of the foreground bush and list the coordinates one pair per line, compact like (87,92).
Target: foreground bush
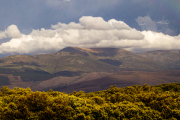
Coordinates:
(134,102)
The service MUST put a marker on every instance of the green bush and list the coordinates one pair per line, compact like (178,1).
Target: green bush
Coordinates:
(131,103)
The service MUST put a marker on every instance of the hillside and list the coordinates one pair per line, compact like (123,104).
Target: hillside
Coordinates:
(170,59)
(54,63)
(60,70)
(121,79)
(123,59)
(95,81)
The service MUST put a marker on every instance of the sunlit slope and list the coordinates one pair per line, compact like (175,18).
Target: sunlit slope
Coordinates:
(53,63)
(123,59)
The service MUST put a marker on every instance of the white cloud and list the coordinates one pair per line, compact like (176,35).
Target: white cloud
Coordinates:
(2,35)
(67,26)
(11,32)
(96,23)
(118,25)
(28,44)
(157,41)
(146,23)
(89,32)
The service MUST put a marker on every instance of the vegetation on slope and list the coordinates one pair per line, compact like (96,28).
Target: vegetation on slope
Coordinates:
(133,102)
(73,61)
(170,59)
(53,63)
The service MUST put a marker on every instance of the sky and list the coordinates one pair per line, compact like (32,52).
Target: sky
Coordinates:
(47,26)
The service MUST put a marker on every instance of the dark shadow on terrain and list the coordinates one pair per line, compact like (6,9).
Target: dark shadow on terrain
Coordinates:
(122,79)
(68,73)
(110,61)
(33,75)
(4,80)
(172,73)
(105,51)
(28,74)
(74,50)
(94,85)
(25,63)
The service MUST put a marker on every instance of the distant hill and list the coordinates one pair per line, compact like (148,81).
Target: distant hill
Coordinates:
(124,59)
(170,59)
(73,63)
(122,79)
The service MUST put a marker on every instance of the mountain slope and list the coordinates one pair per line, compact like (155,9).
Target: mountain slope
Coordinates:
(124,59)
(170,59)
(53,63)
(130,60)
(74,66)
(96,81)
(44,67)
(122,79)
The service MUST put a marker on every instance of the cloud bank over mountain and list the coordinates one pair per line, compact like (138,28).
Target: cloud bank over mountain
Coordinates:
(88,32)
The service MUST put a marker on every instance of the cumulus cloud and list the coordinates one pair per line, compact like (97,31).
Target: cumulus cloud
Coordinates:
(94,23)
(97,23)
(157,41)
(28,44)
(2,35)
(11,32)
(89,32)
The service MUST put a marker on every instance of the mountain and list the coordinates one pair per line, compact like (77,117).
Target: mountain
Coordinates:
(73,66)
(123,59)
(54,63)
(169,59)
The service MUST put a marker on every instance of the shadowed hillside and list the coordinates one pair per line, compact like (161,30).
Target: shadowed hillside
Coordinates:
(122,79)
